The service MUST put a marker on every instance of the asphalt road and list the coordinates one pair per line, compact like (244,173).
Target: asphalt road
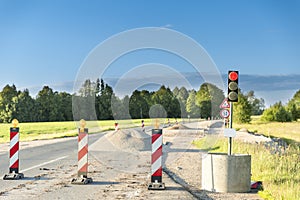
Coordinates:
(49,168)
(33,159)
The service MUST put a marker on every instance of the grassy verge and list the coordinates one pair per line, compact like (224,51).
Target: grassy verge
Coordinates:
(50,130)
(290,131)
(280,174)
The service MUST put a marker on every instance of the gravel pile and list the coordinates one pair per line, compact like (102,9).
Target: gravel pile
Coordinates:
(131,140)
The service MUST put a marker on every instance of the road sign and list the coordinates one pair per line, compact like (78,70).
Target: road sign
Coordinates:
(224,113)
(225,104)
(229,132)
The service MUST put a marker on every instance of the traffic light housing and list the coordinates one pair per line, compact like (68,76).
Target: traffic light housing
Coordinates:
(233,86)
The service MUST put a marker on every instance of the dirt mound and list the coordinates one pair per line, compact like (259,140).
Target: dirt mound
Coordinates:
(177,126)
(244,130)
(131,140)
(250,138)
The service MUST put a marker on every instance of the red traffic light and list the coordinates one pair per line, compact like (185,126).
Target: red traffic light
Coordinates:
(233,88)
(233,76)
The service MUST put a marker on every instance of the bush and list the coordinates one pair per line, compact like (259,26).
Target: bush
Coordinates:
(277,113)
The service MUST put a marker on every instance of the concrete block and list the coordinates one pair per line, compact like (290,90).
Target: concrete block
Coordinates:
(224,173)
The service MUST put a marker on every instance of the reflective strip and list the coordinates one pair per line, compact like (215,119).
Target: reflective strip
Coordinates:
(14,140)
(82,142)
(14,159)
(83,161)
(156,154)
(157,143)
(156,165)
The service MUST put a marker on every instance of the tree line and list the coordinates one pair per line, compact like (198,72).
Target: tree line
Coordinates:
(51,105)
(284,113)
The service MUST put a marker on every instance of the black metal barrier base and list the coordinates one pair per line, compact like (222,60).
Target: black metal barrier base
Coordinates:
(81,181)
(13,176)
(156,186)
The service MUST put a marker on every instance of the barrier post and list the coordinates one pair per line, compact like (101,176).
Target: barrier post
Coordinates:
(82,156)
(116,126)
(14,153)
(143,126)
(156,161)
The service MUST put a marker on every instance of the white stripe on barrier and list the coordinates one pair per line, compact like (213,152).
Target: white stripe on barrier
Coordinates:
(82,143)
(14,140)
(156,144)
(14,158)
(156,165)
(82,161)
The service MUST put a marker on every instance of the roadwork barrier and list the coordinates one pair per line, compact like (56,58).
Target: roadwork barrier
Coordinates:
(156,161)
(82,156)
(14,153)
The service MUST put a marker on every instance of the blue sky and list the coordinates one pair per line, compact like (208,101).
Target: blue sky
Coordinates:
(45,42)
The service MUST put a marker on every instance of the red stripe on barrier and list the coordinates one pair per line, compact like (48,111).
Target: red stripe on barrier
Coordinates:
(82,152)
(81,136)
(13,134)
(156,154)
(15,165)
(84,168)
(158,172)
(155,137)
(14,149)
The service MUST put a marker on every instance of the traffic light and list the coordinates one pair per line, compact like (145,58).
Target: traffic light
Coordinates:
(233,87)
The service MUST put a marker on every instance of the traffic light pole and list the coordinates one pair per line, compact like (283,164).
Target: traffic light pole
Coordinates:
(233,96)
(230,126)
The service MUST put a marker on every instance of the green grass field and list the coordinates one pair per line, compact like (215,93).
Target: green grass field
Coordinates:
(50,130)
(280,173)
(287,130)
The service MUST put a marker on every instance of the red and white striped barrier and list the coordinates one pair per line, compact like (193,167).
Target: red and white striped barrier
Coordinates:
(82,157)
(83,153)
(143,126)
(116,126)
(156,161)
(14,154)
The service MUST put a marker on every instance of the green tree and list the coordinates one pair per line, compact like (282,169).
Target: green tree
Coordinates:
(65,106)
(88,88)
(49,105)
(138,106)
(165,97)
(182,97)
(276,112)
(176,91)
(192,109)
(292,109)
(43,103)
(104,101)
(8,103)
(258,105)
(26,109)
(203,100)
(125,102)
(242,109)
(293,104)
(208,98)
